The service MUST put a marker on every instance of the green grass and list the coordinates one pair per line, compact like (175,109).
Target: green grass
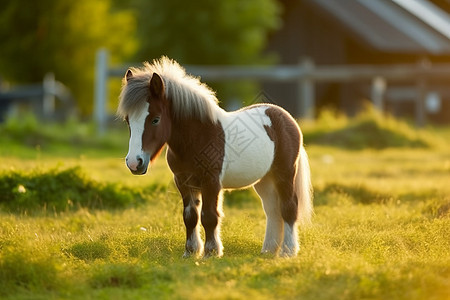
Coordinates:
(59,190)
(380,231)
(368,130)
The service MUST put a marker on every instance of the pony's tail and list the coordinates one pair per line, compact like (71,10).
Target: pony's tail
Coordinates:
(303,188)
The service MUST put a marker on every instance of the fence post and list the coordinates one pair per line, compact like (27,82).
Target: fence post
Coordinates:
(49,86)
(422,89)
(377,92)
(420,102)
(306,89)
(101,90)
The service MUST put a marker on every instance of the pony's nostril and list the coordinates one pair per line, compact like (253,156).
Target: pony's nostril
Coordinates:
(140,161)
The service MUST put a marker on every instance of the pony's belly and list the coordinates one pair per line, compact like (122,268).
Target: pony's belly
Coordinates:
(249,168)
(249,151)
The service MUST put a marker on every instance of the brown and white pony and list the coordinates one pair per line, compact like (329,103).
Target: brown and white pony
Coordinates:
(210,149)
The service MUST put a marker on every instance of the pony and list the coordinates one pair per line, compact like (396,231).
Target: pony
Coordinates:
(209,150)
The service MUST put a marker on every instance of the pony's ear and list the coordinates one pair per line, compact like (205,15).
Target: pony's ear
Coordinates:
(129,74)
(156,87)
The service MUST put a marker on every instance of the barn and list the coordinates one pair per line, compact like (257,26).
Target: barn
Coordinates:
(350,33)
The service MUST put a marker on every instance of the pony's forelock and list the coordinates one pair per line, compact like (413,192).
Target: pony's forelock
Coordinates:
(189,97)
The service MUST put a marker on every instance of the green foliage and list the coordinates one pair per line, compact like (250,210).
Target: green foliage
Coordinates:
(62,37)
(209,33)
(60,190)
(370,129)
(206,32)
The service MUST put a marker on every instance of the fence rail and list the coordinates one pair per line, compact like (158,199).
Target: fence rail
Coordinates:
(42,96)
(305,74)
(337,73)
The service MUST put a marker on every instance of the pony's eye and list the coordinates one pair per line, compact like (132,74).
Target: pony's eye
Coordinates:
(156,120)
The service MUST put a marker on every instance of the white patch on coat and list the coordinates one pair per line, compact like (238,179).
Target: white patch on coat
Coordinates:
(214,247)
(274,223)
(249,151)
(136,122)
(194,243)
(290,246)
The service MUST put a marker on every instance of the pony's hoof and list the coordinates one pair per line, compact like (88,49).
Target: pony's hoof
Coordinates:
(213,249)
(287,253)
(196,254)
(213,253)
(268,254)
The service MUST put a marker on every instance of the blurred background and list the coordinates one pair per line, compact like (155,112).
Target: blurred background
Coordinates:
(62,59)
(368,81)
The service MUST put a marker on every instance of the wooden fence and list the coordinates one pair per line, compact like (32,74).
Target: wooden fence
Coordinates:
(306,74)
(41,97)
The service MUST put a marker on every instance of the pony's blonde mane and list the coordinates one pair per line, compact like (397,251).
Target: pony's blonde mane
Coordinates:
(189,97)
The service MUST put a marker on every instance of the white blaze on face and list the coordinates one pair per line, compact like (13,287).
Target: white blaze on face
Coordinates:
(135,152)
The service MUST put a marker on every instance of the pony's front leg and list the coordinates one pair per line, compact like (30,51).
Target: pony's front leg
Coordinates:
(211,214)
(194,244)
(191,208)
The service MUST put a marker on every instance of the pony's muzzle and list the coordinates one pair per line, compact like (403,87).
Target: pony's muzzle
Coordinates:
(139,165)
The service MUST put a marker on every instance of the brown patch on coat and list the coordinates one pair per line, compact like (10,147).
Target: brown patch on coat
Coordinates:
(284,132)
(196,153)
(286,135)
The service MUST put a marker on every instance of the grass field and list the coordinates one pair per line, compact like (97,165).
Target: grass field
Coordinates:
(75,224)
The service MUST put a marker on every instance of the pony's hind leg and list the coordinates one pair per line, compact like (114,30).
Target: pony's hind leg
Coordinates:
(289,212)
(266,190)
(191,208)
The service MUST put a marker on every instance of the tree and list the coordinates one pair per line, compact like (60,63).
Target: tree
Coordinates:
(207,32)
(62,36)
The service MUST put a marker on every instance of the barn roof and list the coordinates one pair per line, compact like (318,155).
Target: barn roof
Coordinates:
(397,26)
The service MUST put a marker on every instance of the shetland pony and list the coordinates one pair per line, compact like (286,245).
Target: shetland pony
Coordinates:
(210,149)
